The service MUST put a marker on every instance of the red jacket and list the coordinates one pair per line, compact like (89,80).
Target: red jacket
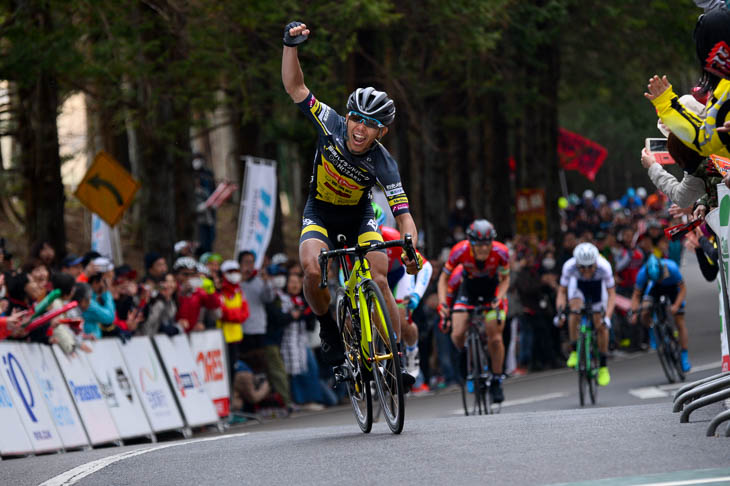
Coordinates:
(189,306)
(233,314)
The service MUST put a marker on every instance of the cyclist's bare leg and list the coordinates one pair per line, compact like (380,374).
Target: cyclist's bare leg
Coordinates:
(318,299)
(683,336)
(574,319)
(378,270)
(495,344)
(458,329)
(410,330)
(601,332)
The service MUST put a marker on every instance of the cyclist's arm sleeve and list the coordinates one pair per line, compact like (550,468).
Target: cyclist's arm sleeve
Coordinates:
(324,118)
(565,274)
(388,178)
(683,193)
(641,279)
(454,259)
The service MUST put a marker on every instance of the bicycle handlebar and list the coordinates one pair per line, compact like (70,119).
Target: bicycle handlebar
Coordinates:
(361,251)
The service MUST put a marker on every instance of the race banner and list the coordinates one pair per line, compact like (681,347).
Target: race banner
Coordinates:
(27,395)
(210,357)
(87,396)
(196,405)
(719,221)
(579,153)
(148,378)
(60,405)
(13,440)
(258,208)
(113,377)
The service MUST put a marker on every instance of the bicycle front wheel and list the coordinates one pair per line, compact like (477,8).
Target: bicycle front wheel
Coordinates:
(474,390)
(386,360)
(594,363)
(582,370)
(674,350)
(358,386)
(663,352)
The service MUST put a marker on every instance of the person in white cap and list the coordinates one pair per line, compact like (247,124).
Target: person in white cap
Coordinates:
(234,309)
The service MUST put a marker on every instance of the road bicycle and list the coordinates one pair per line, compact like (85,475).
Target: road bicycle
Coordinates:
(370,346)
(667,346)
(475,390)
(587,352)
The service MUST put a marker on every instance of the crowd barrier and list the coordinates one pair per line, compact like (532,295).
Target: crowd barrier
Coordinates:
(51,401)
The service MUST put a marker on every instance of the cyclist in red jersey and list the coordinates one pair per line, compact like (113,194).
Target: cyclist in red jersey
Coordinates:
(485,275)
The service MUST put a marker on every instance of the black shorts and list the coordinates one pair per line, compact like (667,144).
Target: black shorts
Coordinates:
(471,289)
(325,222)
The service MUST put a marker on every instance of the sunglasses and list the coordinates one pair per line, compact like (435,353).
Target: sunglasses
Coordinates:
(365,120)
(482,242)
(585,267)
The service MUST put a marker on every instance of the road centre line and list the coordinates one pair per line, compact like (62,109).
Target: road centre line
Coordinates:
(72,476)
(522,401)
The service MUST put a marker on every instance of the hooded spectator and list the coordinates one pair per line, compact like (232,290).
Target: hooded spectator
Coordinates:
(155,266)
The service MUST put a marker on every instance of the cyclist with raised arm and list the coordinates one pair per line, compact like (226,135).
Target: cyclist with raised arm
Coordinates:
(348,162)
(657,277)
(587,278)
(485,264)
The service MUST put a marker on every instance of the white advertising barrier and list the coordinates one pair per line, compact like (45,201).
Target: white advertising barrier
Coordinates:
(196,405)
(27,395)
(149,380)
(13,439)
(258,208)
(209,354)
(719,221)
(60,405)
(87,396)
(112,376)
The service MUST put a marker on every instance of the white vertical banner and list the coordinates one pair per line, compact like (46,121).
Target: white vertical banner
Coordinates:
(112,376)
(13,439)
(258,207)
(105,239)
(177,358)
(149,380)
(60,405)
(719,221)
(87,396)
(209,354)
(28,398)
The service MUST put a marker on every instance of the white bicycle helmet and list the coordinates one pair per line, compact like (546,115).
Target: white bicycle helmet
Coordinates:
(585,254)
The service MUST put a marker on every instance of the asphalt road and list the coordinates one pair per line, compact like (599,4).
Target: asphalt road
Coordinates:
(541,436)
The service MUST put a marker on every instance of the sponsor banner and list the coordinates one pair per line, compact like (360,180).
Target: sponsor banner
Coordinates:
(719,221)
(151,385)
(531,218)
(258,208)
(13,439)
(87,396)
(60,405)
(209,353)
(113,377)
(177,358)
(27,396)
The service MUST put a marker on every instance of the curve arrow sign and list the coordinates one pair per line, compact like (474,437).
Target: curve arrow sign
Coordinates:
(97,182)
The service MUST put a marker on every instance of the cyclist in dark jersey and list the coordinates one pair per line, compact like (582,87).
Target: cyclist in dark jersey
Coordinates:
(349,160)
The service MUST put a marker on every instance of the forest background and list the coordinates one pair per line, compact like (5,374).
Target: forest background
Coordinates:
(476,83)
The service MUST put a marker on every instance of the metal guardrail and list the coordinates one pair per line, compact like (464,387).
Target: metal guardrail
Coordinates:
(700,390)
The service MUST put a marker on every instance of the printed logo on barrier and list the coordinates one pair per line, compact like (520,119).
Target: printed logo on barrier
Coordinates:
(85,393)
(123,383)
(107,390)
(212,364)
(15,371)
(185,381)
(151,375)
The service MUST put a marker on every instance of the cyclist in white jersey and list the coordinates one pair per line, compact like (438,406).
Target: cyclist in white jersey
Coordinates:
(588,278)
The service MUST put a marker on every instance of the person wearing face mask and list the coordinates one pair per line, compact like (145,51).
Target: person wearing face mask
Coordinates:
(234,309)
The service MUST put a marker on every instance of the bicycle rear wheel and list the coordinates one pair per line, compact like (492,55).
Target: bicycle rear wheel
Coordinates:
(386,360)
(663,353)
(358,386)
(582,370)
(474,400)
(593,371)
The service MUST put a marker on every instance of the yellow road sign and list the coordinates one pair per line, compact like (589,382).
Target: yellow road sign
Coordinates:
(107,188)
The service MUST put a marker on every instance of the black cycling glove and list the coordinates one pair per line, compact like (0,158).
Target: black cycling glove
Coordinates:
(293,41)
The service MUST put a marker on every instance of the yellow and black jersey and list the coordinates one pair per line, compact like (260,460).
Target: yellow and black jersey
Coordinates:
(341,178)
(696,132)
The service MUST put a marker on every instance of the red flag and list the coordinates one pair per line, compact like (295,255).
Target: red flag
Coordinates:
(578,153)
